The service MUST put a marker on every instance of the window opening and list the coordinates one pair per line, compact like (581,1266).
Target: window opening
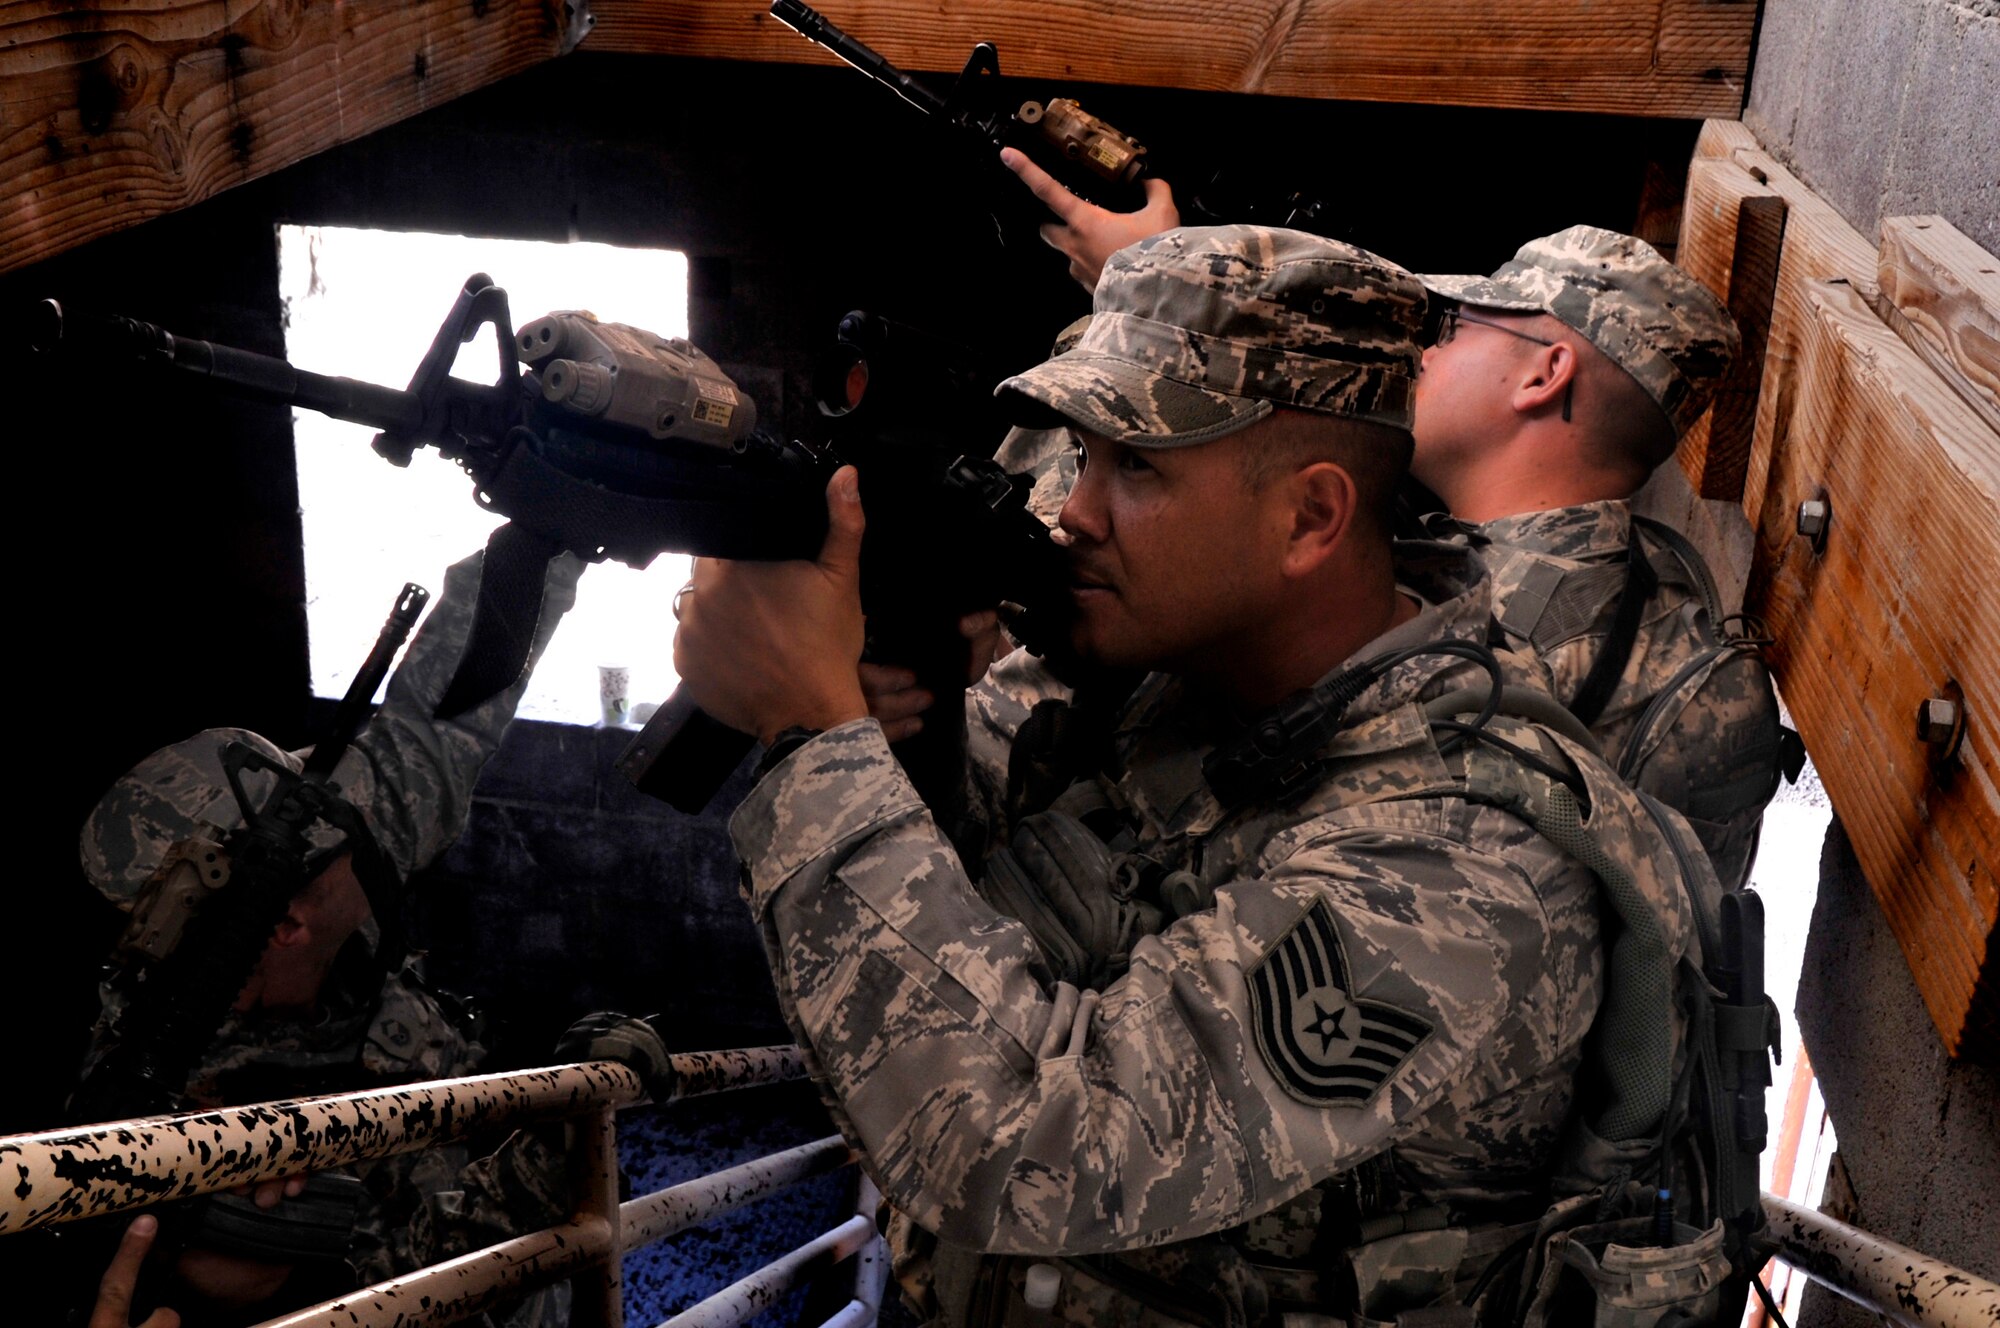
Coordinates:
(365,304)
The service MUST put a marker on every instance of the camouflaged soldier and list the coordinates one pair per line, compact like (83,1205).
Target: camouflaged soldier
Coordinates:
(1555,388)
(1541,409)
(1278,1010)
(326,1010)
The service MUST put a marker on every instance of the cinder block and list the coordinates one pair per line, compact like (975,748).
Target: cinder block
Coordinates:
(1947,150)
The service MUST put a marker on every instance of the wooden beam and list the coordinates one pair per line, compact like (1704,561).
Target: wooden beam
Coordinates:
(1942,293)
(1897,609)
(1819,245)
(1684,58)
(1753,286)
(117,112)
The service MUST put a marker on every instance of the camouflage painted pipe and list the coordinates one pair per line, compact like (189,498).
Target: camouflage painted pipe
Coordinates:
(871,1267)
(453,1291)
(598,1290)
(764,1288)
(670,1211)
(1908,1287)
(62,1175)
(700,1072)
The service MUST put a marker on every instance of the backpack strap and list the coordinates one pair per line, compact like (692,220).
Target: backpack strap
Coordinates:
(1699,578)
(1641,582)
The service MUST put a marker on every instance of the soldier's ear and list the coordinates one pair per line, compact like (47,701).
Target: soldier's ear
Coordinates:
(1551,378)
(1325,505)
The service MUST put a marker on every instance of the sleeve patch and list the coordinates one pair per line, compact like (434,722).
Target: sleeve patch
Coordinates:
(1326,1047)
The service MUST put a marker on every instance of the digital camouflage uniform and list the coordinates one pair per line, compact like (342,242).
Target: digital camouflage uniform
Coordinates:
(1711,745)
(1711,742)
(411,775)
(1386,980)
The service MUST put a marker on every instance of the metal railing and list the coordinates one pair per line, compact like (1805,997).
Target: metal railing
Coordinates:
(1880,1275)
(67,1175)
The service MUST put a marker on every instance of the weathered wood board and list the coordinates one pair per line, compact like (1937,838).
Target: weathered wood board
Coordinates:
(1684,58)
(1898,607)
(120,111)
(113,113)
(1946,291)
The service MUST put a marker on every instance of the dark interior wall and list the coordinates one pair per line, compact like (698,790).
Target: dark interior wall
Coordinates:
(166,552)
(156,538)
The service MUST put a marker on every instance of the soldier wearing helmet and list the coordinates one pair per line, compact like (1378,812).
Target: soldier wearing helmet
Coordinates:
(335,1002)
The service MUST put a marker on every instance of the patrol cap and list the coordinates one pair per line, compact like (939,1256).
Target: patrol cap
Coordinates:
(1650,318)
(178,793)
(1198,332)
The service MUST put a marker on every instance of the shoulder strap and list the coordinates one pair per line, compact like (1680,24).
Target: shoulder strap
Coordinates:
(1700,578)
(1609,666)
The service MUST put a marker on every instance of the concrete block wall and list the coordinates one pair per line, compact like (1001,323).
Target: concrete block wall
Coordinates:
(1886,107)
(571,891)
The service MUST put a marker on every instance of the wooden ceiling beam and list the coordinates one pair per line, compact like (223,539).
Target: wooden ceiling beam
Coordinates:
(1677,58)
(118,112)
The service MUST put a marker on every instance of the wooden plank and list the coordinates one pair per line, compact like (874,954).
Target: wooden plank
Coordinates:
(1945,290)
(1819,246)
(1722,138)
(1897,608)
(1684,58)
(1753,285)
(117,112)
(1717,188)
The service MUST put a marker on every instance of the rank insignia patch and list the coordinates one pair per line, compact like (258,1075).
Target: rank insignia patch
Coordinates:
(1327,1047)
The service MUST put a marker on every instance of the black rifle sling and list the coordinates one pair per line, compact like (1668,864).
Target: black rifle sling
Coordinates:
(720,516)
(1640,584)
(504,620)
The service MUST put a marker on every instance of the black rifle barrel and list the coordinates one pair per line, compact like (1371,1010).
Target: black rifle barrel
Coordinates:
(246,373)
(813,26)
(352,712)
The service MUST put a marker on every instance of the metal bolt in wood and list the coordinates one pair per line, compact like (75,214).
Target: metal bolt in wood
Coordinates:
(1815,515)
(1941,723)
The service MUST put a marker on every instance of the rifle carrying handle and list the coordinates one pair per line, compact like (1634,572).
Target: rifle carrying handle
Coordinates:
(683,756)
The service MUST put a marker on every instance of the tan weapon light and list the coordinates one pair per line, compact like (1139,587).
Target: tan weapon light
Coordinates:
(626,375)
(1084,139)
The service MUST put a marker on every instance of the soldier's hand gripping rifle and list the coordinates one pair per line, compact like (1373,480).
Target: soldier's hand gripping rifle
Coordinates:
(610,442)
(1086,154)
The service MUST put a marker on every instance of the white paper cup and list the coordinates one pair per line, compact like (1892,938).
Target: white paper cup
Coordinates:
(614,686)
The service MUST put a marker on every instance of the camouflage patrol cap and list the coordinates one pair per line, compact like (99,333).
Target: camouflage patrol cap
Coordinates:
(1202,331)
(1650,318)
(176,794)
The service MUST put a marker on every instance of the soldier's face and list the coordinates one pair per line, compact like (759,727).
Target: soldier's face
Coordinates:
(301,950)
(1174,557)
(1463,391)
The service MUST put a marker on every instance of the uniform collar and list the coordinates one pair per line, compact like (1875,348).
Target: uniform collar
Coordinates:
(1578,531)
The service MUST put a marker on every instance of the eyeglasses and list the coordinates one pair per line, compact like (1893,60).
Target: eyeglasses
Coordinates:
(1454,316)
(1448,328)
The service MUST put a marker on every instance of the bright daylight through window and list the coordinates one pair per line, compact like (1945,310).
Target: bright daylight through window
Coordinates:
(365,304)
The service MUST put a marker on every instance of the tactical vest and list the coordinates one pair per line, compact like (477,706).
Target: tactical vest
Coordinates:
(1706,739)
(1345,1252)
